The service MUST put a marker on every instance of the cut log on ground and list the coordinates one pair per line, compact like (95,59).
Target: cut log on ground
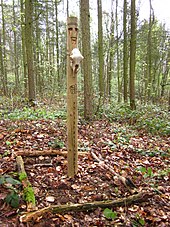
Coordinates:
(133,199)
(28,192)
(35,153)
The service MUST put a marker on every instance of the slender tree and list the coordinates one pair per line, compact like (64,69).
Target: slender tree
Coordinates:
(125,52)
(132,55)
(111,54)
(5,79)
(23,48)
(87,62)
(149,53)
(100,51)
(16,64)
(29,49)
(117,53)
(2,66)
(57,41)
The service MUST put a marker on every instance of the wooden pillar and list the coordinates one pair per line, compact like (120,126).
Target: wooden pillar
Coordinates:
(72,112)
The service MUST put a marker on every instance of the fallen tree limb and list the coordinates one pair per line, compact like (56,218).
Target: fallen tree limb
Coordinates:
(125,180)
(133,199)
(35,153)
(28,192)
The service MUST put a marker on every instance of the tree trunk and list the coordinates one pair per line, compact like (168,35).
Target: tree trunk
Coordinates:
(2,67)
(29,49)
(5,79)
(16,65)
(132,55)
(117,53)
(149,55)
(57,44)
(100,52)
(111,54)
(87,62)
(125,52)
(23,49)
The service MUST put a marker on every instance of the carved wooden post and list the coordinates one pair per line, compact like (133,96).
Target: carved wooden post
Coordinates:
(74,58)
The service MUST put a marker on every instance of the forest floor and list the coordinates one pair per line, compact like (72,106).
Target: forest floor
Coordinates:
(143,157)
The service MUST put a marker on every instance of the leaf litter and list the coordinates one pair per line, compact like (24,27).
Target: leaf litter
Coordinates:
(142,157)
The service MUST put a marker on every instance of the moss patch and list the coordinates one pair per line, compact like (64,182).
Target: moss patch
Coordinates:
(22,176)
(29,195)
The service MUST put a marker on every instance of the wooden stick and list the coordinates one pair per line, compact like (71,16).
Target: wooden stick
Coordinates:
(35,153)
(133,199)
(28,190)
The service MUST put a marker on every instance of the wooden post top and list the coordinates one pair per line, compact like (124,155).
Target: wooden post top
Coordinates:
(72,31)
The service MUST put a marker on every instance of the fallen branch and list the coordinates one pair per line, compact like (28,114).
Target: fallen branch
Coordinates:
(133,199)
(32,153)
(125,180)
(27,188)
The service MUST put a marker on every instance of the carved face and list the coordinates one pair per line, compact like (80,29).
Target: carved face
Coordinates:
(73,33)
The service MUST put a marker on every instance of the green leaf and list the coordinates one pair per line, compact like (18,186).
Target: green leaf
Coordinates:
(13,199)
(12,181)
(142,221)
(8,143)
(109,214)
(2,180)
(143,169)
(150,173)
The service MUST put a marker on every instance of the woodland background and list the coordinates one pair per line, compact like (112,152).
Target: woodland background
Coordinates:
(33,54)
(123,105)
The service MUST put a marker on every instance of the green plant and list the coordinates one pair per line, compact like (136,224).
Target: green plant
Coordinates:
(10,183)
(57,144)
(7,179)
(146,171)
(138,221)
(109,214)
(13,199)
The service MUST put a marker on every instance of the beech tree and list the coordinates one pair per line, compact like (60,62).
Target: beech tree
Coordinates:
(87,62)
(125,52)
(29,49)
(100,52)
(3,52)
(132,55)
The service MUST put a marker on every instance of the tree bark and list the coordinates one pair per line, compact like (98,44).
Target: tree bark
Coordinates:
(132,55)
(29,49)
(87,62)
(125,52)
(3,41)
(100,53)
(24,49)
(16,65)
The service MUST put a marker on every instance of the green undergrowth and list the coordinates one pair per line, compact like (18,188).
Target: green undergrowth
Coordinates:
(30,113)
(149,118)
(17,108)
